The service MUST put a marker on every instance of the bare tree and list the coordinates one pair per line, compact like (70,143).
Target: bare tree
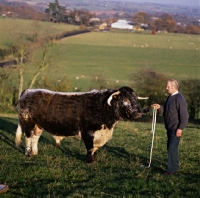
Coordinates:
(22,51)
(4,76)
(21,55)
(44,63)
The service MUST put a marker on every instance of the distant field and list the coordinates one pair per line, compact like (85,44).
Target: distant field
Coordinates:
(9,28)
(116,56)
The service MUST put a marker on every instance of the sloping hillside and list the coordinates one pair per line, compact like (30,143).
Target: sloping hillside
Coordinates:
(22,11)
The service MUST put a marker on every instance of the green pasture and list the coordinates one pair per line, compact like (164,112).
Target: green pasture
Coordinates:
(111,56)
(116,56)
(62,172)
(11,28)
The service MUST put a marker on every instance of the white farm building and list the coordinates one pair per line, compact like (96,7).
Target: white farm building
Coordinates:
(122,24)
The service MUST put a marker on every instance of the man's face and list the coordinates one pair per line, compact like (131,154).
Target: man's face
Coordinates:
(170,88)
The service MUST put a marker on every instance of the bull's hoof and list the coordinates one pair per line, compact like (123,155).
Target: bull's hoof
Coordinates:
(28,152)
(90,159)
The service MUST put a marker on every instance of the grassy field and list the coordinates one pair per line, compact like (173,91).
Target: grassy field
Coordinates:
(10,28)
(62,172)
(117,56)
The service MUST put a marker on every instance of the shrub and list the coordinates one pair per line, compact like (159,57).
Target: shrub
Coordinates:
(190,89)
(151,83)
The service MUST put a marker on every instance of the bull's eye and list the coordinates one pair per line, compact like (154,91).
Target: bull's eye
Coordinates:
(126,102)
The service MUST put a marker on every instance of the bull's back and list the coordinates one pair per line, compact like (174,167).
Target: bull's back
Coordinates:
(54,112)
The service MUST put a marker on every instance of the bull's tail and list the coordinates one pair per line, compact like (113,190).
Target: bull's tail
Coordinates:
(18,135)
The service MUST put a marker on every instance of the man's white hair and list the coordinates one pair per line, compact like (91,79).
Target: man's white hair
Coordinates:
(174,82)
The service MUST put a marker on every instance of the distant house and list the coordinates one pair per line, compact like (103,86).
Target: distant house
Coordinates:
(94,20)
(122,24)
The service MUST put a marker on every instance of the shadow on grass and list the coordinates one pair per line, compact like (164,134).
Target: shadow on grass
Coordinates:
(8,124)
(67,148)
(49,187)
(8,128)
(120,152)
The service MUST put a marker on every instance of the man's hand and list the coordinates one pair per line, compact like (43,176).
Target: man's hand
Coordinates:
(178,133)
(155,106)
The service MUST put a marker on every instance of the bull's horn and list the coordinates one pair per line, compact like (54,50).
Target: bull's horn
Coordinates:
(142,98)
(110,98)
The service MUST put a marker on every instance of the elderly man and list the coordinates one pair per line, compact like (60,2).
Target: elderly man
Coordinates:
(176,117)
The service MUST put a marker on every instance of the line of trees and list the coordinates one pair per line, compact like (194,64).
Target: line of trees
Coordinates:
(165,22)
(56,12)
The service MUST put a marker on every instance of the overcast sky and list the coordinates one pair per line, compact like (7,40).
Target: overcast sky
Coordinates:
(178,2)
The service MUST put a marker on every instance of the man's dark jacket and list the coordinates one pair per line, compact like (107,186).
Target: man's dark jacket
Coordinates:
(175,112)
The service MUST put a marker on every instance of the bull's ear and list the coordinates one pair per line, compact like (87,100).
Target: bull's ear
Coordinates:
(110,98)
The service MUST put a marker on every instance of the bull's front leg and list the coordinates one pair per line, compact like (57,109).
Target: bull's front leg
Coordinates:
(32,141)
(88,141)
(28,150)
(31,145)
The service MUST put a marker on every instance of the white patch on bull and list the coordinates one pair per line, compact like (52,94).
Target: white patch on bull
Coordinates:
(78,136)
(28,91)
(58,139)
(101,137)
(37,130)
(18,135)
(34,144)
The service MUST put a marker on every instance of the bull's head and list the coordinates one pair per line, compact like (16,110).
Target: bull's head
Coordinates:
(126,103)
